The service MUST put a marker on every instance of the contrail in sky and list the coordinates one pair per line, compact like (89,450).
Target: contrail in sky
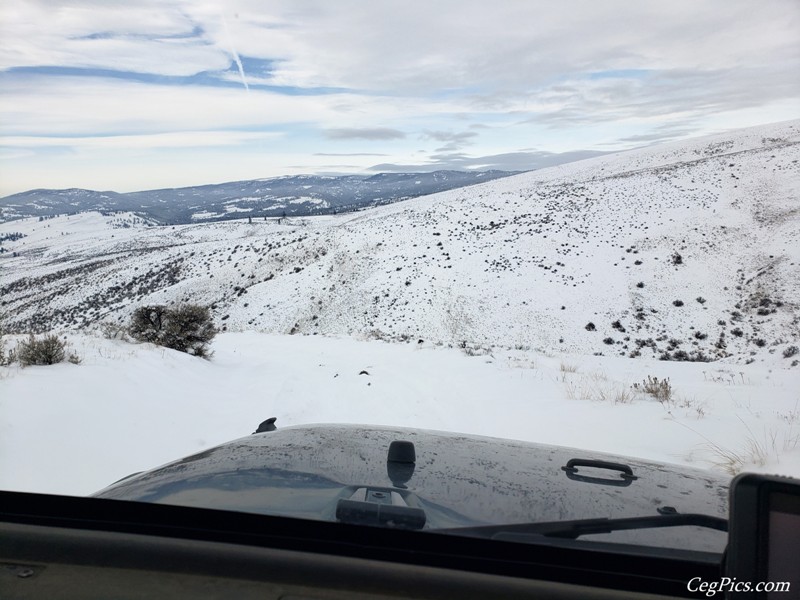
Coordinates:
(234,53)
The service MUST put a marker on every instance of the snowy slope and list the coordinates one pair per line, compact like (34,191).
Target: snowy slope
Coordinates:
(526,261)
(485,270)
(129,407)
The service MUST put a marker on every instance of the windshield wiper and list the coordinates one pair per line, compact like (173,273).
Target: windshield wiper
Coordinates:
(579,527)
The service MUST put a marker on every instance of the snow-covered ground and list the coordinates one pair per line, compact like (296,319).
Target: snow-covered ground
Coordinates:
(73,429)
(526,308)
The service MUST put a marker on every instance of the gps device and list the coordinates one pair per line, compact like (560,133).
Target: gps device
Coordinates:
(763,556)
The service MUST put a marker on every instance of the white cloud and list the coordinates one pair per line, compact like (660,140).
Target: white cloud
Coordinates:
(417,47)
(401,46)
(143,37)
(452,75)
(85,106)
(178,139)
(49,105)
(362,133)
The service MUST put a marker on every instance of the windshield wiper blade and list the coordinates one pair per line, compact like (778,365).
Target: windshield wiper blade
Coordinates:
(577,528)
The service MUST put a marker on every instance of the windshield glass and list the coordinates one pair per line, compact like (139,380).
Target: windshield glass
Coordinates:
(552,248)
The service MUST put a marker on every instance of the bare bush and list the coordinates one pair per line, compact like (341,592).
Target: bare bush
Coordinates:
(48,350)
(147,324)
(660,389)
(113,331)
(186,328)
(5,358)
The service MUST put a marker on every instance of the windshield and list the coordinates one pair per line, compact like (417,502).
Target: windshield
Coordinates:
(552,247)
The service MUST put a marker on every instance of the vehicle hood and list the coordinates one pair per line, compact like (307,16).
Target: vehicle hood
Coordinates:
(458,480)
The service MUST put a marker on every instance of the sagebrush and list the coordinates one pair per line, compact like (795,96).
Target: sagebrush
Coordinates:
(660,389)
(47,350)
(187,328)
(6,358)
(3,356)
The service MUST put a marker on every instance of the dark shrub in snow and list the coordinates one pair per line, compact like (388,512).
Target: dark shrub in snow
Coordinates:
(186,328)
(48,350)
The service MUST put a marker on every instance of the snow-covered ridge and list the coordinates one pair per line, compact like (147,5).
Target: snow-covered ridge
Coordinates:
(688,250)
(299,195)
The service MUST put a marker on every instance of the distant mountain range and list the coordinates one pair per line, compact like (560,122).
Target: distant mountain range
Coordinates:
(290,196)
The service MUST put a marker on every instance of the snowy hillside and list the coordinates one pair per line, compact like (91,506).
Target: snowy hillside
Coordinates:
(74,429)
(689,250)
(496,300)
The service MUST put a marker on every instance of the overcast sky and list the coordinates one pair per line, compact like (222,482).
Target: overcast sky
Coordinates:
(143,94)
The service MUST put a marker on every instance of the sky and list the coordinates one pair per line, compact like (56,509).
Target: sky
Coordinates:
(139,95)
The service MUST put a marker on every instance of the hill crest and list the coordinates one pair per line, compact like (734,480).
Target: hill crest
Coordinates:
(687,251)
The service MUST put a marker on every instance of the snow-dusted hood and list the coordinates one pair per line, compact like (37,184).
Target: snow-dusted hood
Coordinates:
(453,480)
